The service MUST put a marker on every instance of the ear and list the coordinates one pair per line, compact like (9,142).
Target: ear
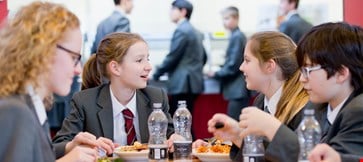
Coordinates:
(183,12)
(270,66)
(114,68)
(343,75)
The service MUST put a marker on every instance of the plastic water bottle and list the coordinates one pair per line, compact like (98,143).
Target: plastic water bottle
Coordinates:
(253,149)
(309,134)
(182,120)
(158,123)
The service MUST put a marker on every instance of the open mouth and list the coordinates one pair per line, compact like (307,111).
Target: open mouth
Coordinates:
(144,76)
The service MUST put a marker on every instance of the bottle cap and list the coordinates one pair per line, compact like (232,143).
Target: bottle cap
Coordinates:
(157,105)
(182,103)
(309,111)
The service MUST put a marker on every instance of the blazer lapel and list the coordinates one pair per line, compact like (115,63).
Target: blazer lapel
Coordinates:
(143,111)
(45,134)
(105,115)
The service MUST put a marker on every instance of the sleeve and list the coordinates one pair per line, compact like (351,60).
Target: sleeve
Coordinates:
(351,158)
(348,131)
(177,49)
(234,58)
(19,140)
(284,146)
(72,125)
(236,153)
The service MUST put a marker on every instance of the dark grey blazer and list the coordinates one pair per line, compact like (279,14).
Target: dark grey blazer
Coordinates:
(92,112)
(345,134)
(350,158)
(232,81)
(275,151)
(116,22)
(22,137)
(185,61)
(295,27)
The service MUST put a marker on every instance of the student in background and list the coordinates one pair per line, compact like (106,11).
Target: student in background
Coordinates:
(185,61)
(270,68)
(232,81)
(108,111)
(116,22)
(292,24)
(39,50)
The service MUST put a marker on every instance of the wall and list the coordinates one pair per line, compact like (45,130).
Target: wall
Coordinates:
(353,12)
(3,9)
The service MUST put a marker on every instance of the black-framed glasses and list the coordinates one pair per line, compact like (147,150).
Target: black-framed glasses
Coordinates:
(305,71)
(75,55)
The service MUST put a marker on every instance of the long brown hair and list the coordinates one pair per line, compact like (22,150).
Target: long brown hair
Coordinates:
(280,48)
(113,47)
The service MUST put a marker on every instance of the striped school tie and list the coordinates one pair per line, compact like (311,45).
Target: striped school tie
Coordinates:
(129,126)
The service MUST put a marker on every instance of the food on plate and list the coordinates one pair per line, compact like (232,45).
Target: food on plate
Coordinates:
(137,146)
(217,148)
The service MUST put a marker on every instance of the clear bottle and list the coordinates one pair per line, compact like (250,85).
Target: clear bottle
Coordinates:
(182,120)
(157,123)
(253,149)
(309,134)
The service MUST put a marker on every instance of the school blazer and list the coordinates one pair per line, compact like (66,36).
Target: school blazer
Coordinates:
(92,112)
(295,27)
(22,136)
(185,61)
(275,150)
(345,134)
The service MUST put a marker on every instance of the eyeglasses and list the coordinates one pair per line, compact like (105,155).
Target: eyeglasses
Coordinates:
(305,71)
(75,56)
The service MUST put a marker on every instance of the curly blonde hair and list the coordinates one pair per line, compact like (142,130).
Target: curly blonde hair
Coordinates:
(28,43)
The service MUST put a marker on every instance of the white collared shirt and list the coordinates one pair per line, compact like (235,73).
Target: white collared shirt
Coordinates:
(38,105)
(332,114)
(119,133)
(272,103)
(181,21)
(289,14)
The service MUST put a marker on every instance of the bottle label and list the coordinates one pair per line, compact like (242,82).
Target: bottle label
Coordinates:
(158,152)
(253,159)
(182,149)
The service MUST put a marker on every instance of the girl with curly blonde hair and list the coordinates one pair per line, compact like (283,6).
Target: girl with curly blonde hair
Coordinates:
(39,51)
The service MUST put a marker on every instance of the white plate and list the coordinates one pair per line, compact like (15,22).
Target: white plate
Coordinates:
(133,156)
(212,157)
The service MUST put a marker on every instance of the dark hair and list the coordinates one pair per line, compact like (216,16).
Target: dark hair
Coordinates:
(117,2)
(231,11)
(334,45)
(114,47)
(296,3)
(183,4)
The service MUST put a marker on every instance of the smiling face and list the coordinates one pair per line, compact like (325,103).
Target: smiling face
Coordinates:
(63,67)
(135,66)
(252,69)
